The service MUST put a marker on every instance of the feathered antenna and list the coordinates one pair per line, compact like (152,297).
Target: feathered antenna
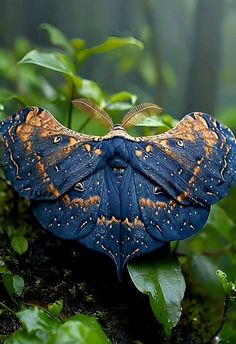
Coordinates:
(93,111)
(138,113)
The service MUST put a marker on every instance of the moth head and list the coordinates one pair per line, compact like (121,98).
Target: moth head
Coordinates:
(118,127)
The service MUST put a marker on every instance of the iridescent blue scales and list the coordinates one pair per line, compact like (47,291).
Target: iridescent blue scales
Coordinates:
(120,195)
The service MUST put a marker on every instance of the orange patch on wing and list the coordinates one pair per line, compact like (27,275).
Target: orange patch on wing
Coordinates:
(196,172)
(161,205)
(104,221)
(138,223)
(79,202)
(146,202)
(183,196)
(31,115)
(24,132)
(41,168)
(53,190)
(87,147)
(66,199)
(66,151)
(126,222)
(73,141)
(98,151)
(201,119)
(149,149)
(138,153)
(28,146)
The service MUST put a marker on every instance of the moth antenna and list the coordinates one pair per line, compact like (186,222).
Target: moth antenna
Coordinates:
(93,111)
(138,113)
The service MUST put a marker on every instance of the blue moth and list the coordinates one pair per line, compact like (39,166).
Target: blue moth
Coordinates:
(118,194)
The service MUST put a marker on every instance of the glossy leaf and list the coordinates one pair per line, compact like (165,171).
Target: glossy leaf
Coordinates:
(80,329)
(39,327)
(221,222)
(3,268)
(227,285)
(91,90)
(54,61)
(228,117)
(57,37)
(19,244)
(56,307)
(14,284)
(121,101)
(123,97)
(77,43)
(204,271)
(152,122)
(108,45)
(23,337)
(36,319)
(163,282)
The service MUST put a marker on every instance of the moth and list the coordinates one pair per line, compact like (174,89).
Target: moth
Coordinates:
(118,194)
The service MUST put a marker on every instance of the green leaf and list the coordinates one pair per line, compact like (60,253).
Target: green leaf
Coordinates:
(91,90)
(54,61)
(121,101)
(3,268)
(227,116)
(78,44)
(56,307)
(152,122)
(6,96)
(155,122)
(163,282)
(108,45)
(80,329)
(123,97)
(23,337)
(14,284)
(19,244)
(221,222)
(204,272)
(40,327)
(36,319)
(227,285)
(57,37)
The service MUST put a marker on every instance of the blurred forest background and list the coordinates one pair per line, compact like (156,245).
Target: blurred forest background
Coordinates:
(188,63)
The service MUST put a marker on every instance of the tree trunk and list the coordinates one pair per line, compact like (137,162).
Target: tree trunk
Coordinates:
(155,48)
(204,68)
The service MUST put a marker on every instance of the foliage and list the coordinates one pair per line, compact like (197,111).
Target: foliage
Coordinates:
(33,81)
(162,280)
(39,327)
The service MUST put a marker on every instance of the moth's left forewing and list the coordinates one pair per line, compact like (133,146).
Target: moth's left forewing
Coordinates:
(42,158)
(194,162)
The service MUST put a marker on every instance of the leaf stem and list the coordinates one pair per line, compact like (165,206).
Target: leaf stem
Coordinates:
(223,319)
(7,308)
(83,125)
(70,105)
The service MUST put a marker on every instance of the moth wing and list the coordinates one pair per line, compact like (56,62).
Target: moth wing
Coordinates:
(41,158)
(90,215)
(154,217)
(194,163)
